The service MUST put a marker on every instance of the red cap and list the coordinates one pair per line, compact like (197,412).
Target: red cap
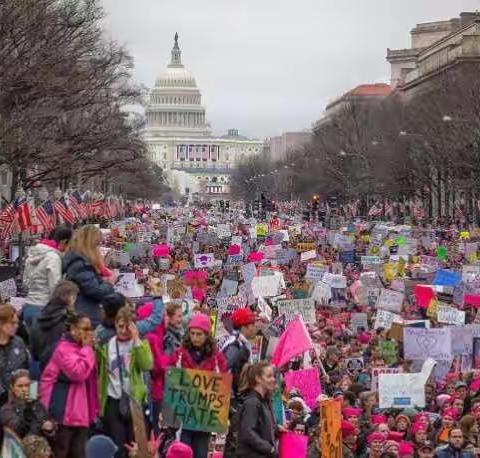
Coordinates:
(243,317)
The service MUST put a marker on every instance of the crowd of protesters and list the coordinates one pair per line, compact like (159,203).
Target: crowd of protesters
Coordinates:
(79,350)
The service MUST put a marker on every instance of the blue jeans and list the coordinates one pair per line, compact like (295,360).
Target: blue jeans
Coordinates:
(30,312)
(198,441)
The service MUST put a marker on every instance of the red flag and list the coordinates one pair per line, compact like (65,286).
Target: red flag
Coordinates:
(62,209)
(293,342)
(23,213)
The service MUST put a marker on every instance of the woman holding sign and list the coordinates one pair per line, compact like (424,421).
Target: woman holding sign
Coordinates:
(199,351)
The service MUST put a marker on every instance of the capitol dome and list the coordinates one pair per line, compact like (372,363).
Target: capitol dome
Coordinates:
(175,105)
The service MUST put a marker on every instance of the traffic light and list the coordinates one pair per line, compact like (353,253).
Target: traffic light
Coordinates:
(315,202)
(274,206)
(306,215)
(222,206)
(332,202)
(227,205)
(268,205)
(256,205)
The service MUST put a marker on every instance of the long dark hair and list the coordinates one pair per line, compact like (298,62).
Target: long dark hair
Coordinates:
(209,347)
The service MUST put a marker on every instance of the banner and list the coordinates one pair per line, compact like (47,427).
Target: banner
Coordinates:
(197,400)
(421,343)
(294,307)
(330,429)
(307,382)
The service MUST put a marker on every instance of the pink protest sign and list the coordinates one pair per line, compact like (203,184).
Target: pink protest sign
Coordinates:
(160,251)
(307,381)
(293,444)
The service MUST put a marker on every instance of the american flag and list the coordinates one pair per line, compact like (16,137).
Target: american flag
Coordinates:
(375,210)
(62,210)
(388,209)
(458,212)
(76,206)
(46,215)
(22,210)
(16,215)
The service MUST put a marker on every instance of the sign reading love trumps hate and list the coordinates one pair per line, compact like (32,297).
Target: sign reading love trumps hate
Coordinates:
(198,400)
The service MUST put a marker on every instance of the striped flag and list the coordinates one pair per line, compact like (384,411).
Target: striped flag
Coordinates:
(46,215)
(22,210)
(76,206)
(62,210)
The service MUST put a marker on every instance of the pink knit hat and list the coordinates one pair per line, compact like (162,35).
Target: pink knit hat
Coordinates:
(200,321)
(179,450)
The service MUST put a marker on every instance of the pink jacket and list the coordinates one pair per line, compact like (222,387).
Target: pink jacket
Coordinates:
(68,385)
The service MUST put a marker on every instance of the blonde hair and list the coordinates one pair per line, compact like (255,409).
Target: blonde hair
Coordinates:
(85,242)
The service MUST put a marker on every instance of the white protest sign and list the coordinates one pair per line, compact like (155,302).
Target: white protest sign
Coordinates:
(237,240)
(223,231)
(450,315)
(230,303)
(204,260)
(307,255)
(370,260)
(315,271)
(358,320)
(294,307)
(385,319)
(335,280)
(265,309)
(228,288)
(462,340)
(376,371)
(248,272)
(401,391)
(470,273)
(390,300)
(421,343)
(322,292)
(267,286)
(128,286)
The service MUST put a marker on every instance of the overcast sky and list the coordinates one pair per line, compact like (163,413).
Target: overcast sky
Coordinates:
(268,66)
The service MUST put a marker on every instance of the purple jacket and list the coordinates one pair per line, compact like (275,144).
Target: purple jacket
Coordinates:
(68,385)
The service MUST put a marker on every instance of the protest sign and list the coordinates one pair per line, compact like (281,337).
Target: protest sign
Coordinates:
(450,315)
(248,272)
(307,382)
(470,273)
(197,400)
(370,260)
(204,260)
(139,429)
(12,445)
(128,286)
(330,429)
(462,340)
(322,292)
(423,343)
(256,349)
(234,260)
(307,255)
(384,319)
(228,288)
(228,304)
(261,230)
(223,231)
(293,307)
(376,371)
(266,286)
(347,257)
(401,391)
(305,246)
(354,365)
(335,280)
(447,278)
(277,406)
(358,320)
(390,300)
(264,308)
(315,271)
(292,444)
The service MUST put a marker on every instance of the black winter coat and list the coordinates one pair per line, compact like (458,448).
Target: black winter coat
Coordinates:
(24,418)
(93,289)
(237,355)
(13,356)
(256,429)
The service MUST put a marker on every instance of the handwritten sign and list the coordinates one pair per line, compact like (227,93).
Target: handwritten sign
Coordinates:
(322,292)
(370,260)
(421,343)
(307,255)
(294,307)
(266,286)
(196,399)
(450,315)
(228,304)
(315,271)
(128,286)
(307,382)
(376,371)
(305,246)
(401,390)
(248,272)
(390,300)
(358,320)
(330,429)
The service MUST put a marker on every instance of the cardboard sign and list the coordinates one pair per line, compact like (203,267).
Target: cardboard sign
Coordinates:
(204,260)
(330,429)
(450,315)
(303,307)
(390,300)
(307,382)
(421,343)
(266,286)
(315,272)
(305,246)
(322,292)
(197,400)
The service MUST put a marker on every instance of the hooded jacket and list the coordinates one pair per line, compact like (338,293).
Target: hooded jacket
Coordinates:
(43,271)
(68,385)
(256,429)
(46,331)
(93,289)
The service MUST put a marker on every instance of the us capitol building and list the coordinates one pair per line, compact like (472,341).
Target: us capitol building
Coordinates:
(179,138)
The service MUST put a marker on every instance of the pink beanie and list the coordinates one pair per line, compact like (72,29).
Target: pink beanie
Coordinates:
(179,450)
(200,321)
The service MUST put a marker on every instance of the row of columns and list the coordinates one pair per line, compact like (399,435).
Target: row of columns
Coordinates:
(177,119)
